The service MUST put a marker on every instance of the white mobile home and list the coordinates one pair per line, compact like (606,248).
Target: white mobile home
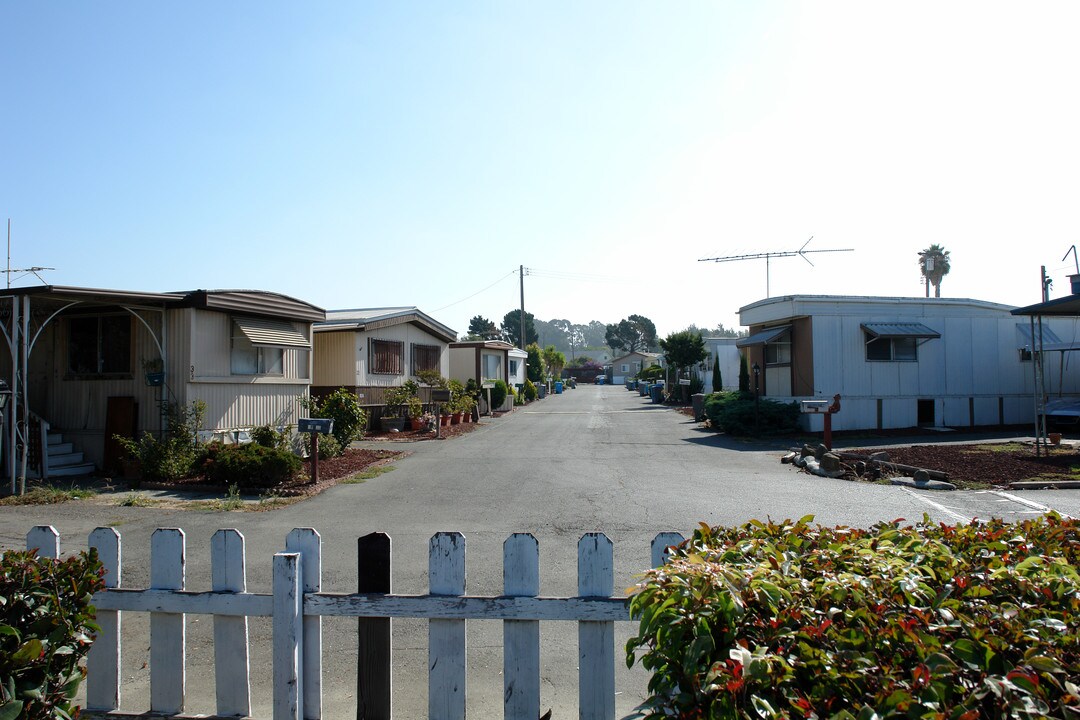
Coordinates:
(92,363)
(901,362)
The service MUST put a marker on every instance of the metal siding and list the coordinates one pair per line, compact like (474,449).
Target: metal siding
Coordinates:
(985,363)
(986,411)
(958,357)
(233,405)
(336,361)
(211,344)
(932,363)
(884,379)
(955,412)
(855,374)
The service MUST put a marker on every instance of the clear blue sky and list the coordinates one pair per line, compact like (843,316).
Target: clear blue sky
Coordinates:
(377,154)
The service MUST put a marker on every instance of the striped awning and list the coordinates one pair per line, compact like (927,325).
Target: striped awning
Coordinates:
(1023,332)
(900,330)
(762,337)
(270,333)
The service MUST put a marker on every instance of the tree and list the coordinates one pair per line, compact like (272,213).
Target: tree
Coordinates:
(635,333)
(684,350)
(554,361)
(483,329)
(934,265)
(717,381)
(534,364)
(511,327)
(744,374)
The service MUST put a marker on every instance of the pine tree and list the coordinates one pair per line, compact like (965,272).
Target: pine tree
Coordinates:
(717,381)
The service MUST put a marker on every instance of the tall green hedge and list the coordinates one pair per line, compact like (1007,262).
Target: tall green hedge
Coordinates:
(931,621)
(46,623)
(737,413)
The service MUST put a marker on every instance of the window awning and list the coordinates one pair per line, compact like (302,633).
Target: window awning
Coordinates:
(1049,337)
(900,330)
(762,337)
(271,333)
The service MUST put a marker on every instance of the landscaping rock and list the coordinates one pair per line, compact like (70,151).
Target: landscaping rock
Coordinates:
(789,458)
(830,462)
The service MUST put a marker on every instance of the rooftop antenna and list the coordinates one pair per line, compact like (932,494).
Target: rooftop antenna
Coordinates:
(1075,259)
(32,270)
(801,252)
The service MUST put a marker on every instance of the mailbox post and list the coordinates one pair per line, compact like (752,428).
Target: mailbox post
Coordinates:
(314,426)
(815,407)
(438,397)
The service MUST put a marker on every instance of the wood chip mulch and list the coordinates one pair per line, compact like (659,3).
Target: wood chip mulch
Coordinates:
(446,431)
(980,464)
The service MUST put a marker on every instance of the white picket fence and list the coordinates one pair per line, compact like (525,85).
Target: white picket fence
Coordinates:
(297,606)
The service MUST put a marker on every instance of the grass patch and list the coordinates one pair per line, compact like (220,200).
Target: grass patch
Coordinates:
(229,503)
(139,500)
(48,495)
(368,474)
(1012,447)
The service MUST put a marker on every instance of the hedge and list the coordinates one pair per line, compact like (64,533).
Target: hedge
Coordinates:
(46,621)
(788,620)
(737,413)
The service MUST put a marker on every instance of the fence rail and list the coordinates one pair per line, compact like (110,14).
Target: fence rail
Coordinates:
(297,606)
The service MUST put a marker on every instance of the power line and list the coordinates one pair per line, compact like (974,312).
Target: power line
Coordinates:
(469,297)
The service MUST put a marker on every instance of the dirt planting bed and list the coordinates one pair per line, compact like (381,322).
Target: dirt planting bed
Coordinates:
(992,464)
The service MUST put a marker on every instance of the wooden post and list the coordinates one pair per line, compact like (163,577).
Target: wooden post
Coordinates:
(103,660)
(661,545)
(288,629)
(231,661)
(167,630)
(45,540)
(446,638)
(521,638)
(314,457)
(374,677)
(308,543)
(596,640)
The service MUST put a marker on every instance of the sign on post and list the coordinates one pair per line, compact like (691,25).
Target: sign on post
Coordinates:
(314,426)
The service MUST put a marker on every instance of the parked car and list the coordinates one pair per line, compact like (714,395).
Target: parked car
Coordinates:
(1063,414)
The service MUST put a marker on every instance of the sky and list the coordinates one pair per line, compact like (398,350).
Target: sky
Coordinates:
(362,154)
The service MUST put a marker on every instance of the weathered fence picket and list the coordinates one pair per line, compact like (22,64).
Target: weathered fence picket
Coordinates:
(297,604)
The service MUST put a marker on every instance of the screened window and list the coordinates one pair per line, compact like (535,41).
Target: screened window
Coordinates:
(424,357)
(778,353)
(99,345)
(248,359)
(898,349)
(513,368)
(386,357)
(492,367)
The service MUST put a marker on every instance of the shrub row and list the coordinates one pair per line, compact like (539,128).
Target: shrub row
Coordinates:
(789,620)
(738,413)
(46,621)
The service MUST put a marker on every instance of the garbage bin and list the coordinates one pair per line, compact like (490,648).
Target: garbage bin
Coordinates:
(643,389)
(656,392)
(558,388)
(542,390)
(698,402)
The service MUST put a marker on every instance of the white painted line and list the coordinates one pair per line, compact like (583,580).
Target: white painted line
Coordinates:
(937,506)
(1028,503)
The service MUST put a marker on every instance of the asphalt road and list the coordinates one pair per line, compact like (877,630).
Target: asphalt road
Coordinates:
(592,459)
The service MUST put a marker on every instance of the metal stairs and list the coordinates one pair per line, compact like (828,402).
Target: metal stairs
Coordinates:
(63,460)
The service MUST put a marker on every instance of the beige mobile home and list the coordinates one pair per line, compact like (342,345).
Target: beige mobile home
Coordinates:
(374,349)
(87,364)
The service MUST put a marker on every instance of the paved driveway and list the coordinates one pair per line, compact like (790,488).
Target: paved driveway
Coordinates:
(593,459)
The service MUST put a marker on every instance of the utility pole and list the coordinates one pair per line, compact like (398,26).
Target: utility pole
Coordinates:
(521,279)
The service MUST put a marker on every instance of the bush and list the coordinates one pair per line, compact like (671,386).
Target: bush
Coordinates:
(343,407)
(498,395)
(651,373)
(252,466)
(45,625)
(268,436)
(789,620)
(176,455)
(529,390)
(329,447)
(734,413)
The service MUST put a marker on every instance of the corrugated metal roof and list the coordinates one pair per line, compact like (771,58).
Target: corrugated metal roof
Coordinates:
(1023,330)
(270,333)
(762,337)
(900,330)
(375,318)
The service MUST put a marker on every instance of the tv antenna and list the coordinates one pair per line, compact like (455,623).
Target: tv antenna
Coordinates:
(30,270)
(801,252)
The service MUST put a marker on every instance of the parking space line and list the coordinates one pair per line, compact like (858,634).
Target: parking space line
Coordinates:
(1028,503)
(937,506)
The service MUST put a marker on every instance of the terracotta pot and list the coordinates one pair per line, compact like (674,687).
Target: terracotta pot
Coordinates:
(455,418)
(444,420)
(417,423)
(1055,438)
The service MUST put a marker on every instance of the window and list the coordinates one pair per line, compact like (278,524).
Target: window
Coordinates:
(492,367)
(778,353)
(99,345)
(896,349)
(385,357)
(424,357)
(248,359)
(513,368)
(1025,355)
(625,368)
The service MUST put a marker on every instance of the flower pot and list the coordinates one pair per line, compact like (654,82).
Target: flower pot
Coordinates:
(444,420)
(417,423)
(1055,438)
(455,418)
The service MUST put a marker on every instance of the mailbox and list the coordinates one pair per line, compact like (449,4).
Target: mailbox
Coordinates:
(324,426)
(440,396)
(814,406)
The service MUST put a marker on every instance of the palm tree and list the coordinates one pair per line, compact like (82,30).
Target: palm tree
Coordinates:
(934,265)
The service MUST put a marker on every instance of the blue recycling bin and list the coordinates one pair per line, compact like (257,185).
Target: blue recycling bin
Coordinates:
(643,389)
(656,392)
(558,388)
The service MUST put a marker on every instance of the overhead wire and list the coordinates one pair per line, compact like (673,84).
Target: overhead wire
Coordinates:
(469,297)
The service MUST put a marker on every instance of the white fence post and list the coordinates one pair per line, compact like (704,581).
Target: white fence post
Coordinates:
(288,629)
(446,638)
(308,543)
(231,662)
(521,638)
(167,630)
(103,660)
(660,545)
(45,539)
(596,640)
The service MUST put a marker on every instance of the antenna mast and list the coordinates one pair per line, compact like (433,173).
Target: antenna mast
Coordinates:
(35,270)
(801,252)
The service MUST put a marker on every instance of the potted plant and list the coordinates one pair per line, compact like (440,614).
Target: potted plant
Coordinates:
(415,410)
(155,372)
(395,413)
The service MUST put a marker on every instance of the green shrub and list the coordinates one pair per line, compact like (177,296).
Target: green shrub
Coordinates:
(651,373)
(252,466)
(268,436)
(46,621)
(329,447)
(177,454)
(529,390)
(737,414)
(788,620)
(343,407)
(498,395)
